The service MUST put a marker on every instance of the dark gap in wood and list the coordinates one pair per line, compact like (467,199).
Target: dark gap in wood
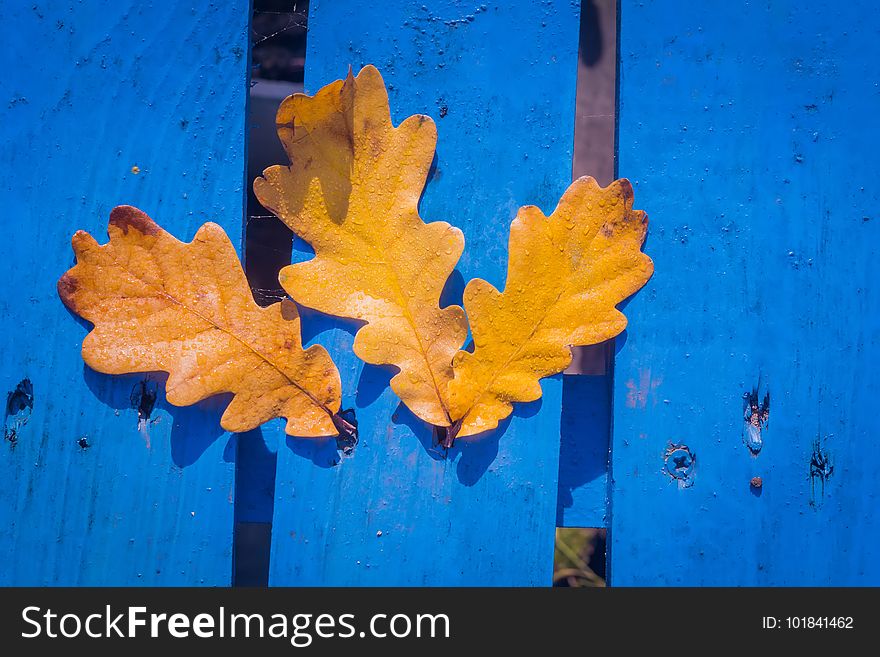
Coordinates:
(582,455)
(279,36)
(251,547)
(594,130)
(278,47)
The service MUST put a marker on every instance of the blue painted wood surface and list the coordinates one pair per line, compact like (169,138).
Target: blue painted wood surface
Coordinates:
(749,132)
(499,80)
(89,91)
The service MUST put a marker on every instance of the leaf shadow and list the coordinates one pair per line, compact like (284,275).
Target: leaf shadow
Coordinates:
(314,323)
(423,431)
(472,455)
(434,173)
(86,324)
(323,452)
(193,428)
(619,341)
(373,381)
(453,290)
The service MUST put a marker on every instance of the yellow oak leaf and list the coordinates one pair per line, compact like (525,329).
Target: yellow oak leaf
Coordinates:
(158,304)
(352,192)
(565,276)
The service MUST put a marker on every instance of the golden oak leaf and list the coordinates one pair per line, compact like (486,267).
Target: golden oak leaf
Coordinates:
(565,276)
(352,192)
(158,304)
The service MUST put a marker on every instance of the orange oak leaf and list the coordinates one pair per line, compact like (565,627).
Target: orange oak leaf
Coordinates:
(158,304)
(566,275)
(352,192)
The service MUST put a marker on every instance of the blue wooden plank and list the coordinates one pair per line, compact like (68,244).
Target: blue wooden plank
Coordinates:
(91,90)
(499,80)
(749,133)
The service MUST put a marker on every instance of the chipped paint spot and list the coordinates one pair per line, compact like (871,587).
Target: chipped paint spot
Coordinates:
(19,405)
(143,399)
(821,468)
(756,418)
(680,463)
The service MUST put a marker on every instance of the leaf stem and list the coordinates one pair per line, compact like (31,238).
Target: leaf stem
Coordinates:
(446,435)
(348,431)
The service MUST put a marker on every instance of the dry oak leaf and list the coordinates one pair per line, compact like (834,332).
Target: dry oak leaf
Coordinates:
(158,304)
(352,192)
(566,273)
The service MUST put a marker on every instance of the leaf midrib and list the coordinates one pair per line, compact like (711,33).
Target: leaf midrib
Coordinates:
(548,310)
(401,297)
(161,292)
